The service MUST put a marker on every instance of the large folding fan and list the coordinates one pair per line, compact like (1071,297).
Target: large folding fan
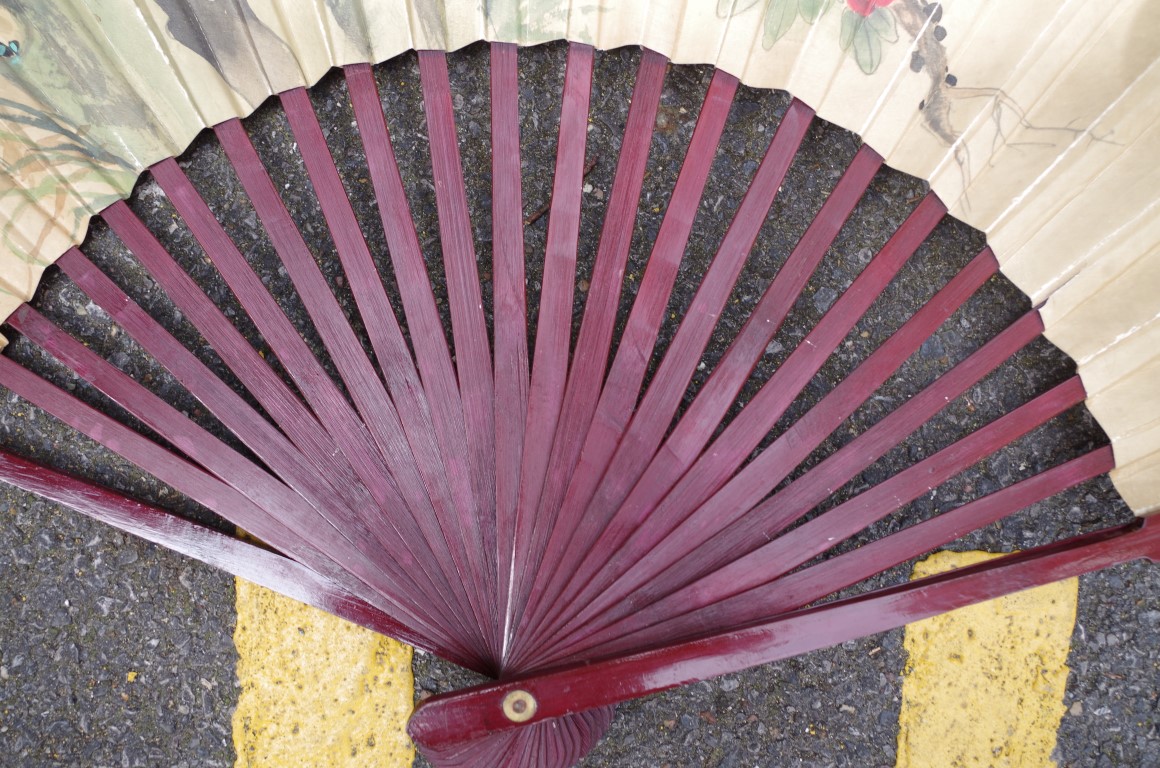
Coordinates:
(592,440)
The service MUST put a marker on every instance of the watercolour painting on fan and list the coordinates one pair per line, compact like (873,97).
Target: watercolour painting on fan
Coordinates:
(94,142)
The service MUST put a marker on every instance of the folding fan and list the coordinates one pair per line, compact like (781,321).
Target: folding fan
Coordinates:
(589,485)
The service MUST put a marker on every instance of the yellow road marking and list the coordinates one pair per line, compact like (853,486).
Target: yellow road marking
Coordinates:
(316,690)
(984,685)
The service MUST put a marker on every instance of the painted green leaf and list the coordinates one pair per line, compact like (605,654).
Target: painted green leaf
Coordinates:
(867,49)
(727,8)
(884,24)
(779,17)
(812,10)
(850,23)
(862,40)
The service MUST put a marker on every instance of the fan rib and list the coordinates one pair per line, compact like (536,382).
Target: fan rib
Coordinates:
(407,445)
(292,417)
(696,426)
(594,342)
(648,425)
(729,526)
(745,433)
(623,383)
(228,553)
(332,409)
(267,443)
(791,592)
(307,478)
(731,515)
(335,413)
(442,416)
(386,337)
(634,350)
(469,331)
(509,312)
(710,473)
(554,326)
(656,410)
(814,537)
(424,324)
(354,574)
(788,551)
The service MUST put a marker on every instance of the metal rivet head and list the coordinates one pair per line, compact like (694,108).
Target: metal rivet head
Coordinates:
(519,706)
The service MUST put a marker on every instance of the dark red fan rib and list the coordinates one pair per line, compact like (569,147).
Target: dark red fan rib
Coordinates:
(468,326)
(820,534)
(554,325)
(595,338)
(787,593)
(748,429)
(707,410)
(329,405)
(728,525)
(267,443)
(509,311)
(663,395)
(292,350)
(634,350)
(713,469)
(407,444)
(339,563)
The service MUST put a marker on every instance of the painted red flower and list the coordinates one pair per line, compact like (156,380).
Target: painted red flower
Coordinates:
(867,7)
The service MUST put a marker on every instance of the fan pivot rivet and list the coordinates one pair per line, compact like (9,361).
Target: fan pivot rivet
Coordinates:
(519,706)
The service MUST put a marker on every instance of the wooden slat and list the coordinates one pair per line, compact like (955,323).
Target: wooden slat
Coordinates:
(799,589)
(468,327)
(594,342)
(331,408)
(634,350)
(640,441)
(662,599)
(468,324)
(509,311)
(266,442)
(554,326)
(408,448)
(335,414)
(380,543)
(394,358)
(325,552)
(423,323)
(728,525)
(278,400)
(713,469)
(708,408)
(462,716)
(640,523)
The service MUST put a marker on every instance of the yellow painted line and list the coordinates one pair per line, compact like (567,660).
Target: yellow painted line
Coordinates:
(316,690)
(984,686)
